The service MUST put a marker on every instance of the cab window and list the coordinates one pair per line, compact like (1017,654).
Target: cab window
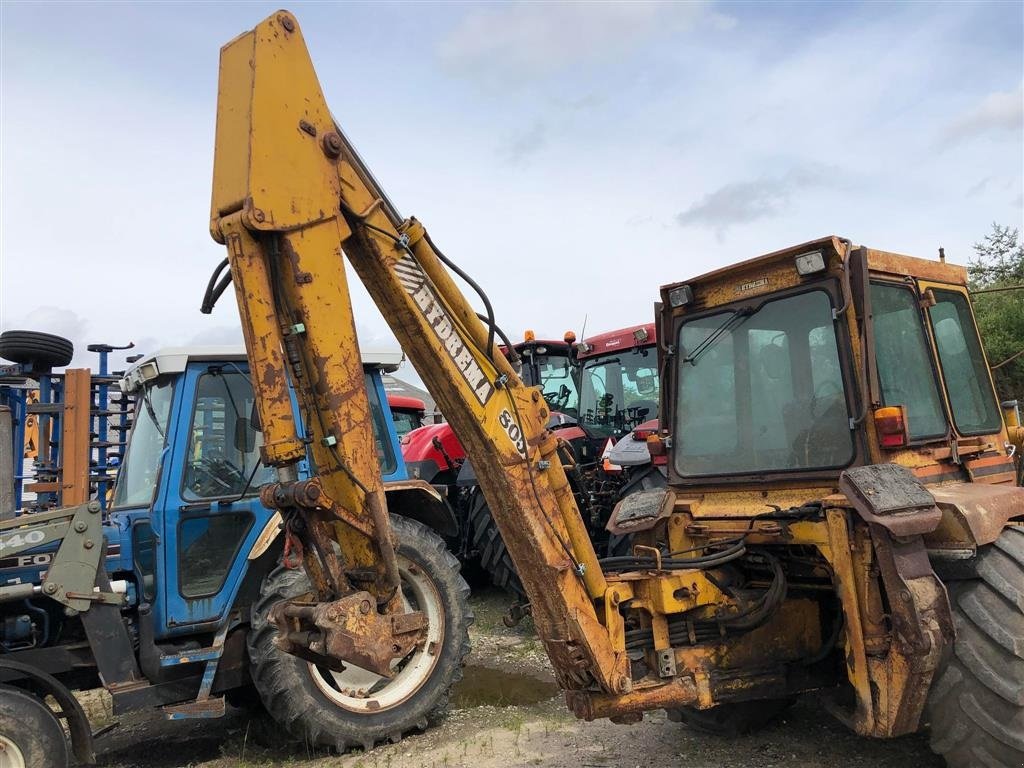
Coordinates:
(963,365)
(223,447)
(904,362)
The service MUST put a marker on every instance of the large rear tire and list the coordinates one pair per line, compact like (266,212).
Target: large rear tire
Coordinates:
(356,707)
(976,703)
(30,734)
(490,547)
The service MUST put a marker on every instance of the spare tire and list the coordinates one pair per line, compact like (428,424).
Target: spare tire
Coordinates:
(40,350)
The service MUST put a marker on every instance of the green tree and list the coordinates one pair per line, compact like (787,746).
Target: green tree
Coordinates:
(999,263)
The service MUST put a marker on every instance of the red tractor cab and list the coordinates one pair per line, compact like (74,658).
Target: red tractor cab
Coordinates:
(408,413)
(433,452)
(618,381)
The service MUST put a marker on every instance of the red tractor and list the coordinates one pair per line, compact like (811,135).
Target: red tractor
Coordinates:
(603,397)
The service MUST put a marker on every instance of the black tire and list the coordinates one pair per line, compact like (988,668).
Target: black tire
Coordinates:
(733,719)
(976,704)
(298,696)
(30,727)
(493,556)
(41,350)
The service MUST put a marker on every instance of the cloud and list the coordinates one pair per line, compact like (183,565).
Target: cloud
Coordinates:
(59,322)
(746,201)
(998,113)
(521,41)
(50,319)
(980,187)
(218,335)
(519,147)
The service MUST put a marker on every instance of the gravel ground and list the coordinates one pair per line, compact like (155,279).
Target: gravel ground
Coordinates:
(506,713)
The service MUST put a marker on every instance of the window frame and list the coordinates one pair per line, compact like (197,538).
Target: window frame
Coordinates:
(938,288)
(169,428)
(179,552)
(911,288)
(253,490)
(841,309)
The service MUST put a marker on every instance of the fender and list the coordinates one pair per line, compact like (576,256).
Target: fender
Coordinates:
(415,499)
(974,514)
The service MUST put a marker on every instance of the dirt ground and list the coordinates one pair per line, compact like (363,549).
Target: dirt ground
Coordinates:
(506,713)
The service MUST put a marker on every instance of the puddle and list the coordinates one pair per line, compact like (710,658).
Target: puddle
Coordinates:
(485,686)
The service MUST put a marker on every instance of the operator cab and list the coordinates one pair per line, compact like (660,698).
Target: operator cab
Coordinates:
(192,472)
(409,413)
(618,381)
(550,365)
(796,365)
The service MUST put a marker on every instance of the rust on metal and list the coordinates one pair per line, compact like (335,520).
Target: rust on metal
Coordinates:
(75,438)
(349,629)
(984,509)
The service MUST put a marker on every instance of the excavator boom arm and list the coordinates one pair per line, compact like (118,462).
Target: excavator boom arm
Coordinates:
(290,194)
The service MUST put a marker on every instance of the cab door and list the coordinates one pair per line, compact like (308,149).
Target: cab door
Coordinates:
(213,510)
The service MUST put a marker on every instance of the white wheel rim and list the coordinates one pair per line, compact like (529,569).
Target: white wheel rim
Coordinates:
(360,690)
(10,755)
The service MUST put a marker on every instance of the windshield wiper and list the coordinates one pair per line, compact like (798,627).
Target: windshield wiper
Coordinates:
(607,361)
(728,324)
(152,413)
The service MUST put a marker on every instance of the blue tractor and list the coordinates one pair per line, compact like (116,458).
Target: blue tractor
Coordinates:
(162,598)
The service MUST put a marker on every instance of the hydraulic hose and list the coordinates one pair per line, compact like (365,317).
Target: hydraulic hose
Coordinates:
(214,289)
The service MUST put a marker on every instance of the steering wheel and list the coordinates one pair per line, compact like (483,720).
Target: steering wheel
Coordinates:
(216,476)
(558,400)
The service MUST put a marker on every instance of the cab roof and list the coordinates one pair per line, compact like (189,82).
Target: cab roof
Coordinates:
(623,338)
(171,360)
(878,261)
(403,401)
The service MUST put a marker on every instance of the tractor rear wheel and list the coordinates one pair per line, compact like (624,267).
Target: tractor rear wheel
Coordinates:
(30,734)
(976,703)
(41,350)
(494,557)
(356,707)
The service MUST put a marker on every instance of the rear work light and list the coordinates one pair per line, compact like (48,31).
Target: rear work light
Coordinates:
(680,296)
(810,263)
(891,426)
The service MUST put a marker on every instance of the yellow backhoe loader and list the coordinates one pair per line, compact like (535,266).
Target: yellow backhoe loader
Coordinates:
(840,517)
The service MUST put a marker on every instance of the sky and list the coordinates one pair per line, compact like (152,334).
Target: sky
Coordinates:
(572,157)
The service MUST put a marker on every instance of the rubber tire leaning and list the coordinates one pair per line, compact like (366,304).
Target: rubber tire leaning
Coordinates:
(733,719)
(286,686)
(493,555)
(41,350)
(34,729)
(976,704)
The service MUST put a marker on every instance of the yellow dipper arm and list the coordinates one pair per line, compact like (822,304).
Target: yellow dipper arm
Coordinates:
(289,194)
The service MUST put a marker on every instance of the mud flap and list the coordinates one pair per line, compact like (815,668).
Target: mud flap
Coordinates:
(898,511)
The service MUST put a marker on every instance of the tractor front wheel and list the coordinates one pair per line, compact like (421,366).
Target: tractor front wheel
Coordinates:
(356,707)
(30,734)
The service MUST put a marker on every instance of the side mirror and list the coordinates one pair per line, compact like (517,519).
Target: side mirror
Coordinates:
(245,435)
(645,385)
